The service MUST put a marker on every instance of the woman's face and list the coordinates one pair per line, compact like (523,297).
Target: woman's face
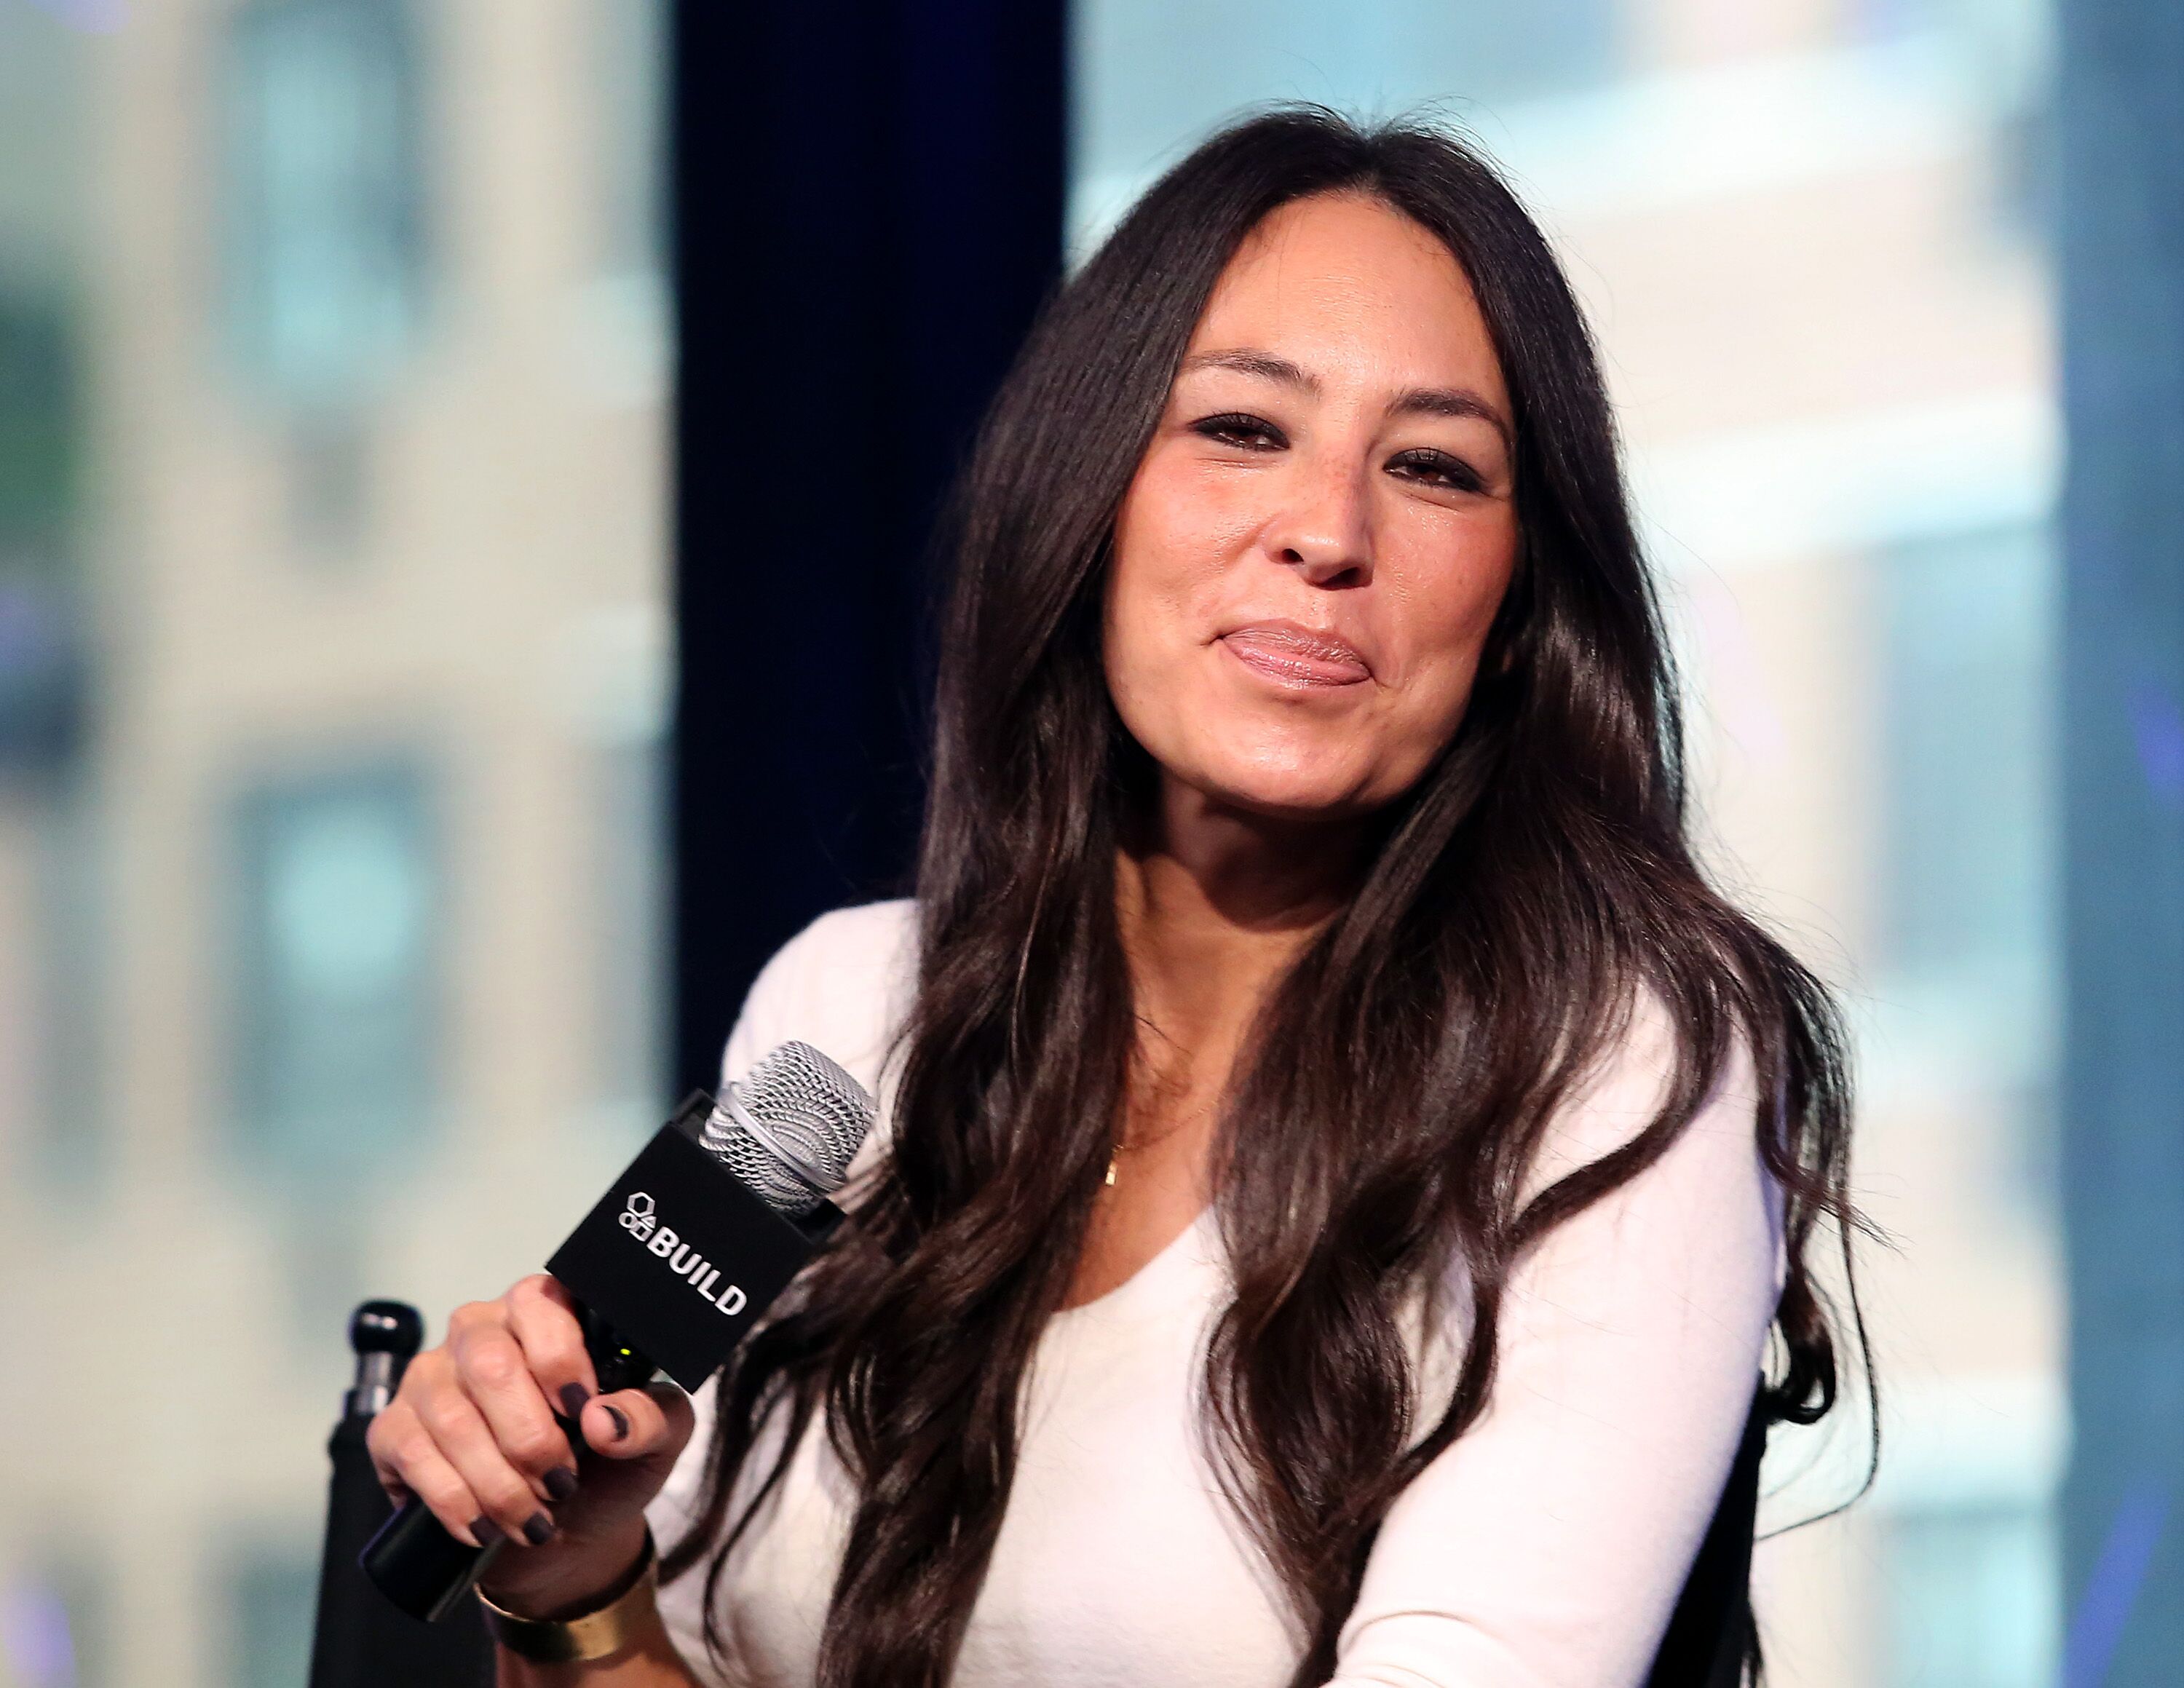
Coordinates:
(1312,549)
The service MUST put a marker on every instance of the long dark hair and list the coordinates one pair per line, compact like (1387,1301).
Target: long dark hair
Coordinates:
(1537,880)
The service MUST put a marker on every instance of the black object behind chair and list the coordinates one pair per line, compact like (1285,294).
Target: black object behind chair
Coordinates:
(1711,1638)
(360,1640)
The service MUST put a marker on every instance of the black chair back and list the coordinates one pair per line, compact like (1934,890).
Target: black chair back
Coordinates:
(360,1640)
(1712,1639)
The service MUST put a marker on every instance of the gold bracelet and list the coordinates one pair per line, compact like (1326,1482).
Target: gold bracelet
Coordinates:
(625,1617)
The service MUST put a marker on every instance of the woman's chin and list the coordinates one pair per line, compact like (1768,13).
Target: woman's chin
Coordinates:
(1302,795)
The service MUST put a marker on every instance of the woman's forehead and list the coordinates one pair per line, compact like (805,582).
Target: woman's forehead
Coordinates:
(1345,284)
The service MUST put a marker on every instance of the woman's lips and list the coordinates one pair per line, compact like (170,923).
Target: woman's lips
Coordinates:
(1291,655)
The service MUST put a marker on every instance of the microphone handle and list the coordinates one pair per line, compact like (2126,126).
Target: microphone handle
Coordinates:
(426,1571)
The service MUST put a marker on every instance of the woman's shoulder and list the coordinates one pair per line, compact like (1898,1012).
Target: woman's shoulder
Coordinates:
(845,941)
(842,985)
(1622,1089)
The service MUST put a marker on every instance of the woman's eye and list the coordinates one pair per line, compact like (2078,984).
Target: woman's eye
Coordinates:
(1249,432)
(1436,469)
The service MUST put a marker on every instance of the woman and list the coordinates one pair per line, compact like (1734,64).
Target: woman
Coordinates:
(1344,1163)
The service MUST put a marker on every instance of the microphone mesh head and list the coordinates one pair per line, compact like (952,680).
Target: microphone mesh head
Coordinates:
(788,1130)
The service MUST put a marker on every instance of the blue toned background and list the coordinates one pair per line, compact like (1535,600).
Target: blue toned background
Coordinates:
(464,469)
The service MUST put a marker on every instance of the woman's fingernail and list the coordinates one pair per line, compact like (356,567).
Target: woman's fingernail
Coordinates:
(560,1483)
(621,1420)
(573,1397)
(539,1529)
(486,1531)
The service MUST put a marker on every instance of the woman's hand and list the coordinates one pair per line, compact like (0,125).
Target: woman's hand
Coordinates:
(472,1433)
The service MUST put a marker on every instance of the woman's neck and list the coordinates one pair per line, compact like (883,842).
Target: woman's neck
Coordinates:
(1214,905)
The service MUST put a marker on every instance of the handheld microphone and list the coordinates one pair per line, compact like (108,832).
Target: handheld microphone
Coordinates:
(680,1257)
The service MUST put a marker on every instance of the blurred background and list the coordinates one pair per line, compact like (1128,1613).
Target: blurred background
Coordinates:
(372,872)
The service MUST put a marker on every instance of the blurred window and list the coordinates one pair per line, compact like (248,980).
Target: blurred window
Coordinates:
(634,58)
(1966,899)
(339,908)
(38,430)
(633,1054)
(1970,1597)
(1148,77)
(324,190)
(626,317)
(1969,624)
(42,665)
(275,1596)
(69,938)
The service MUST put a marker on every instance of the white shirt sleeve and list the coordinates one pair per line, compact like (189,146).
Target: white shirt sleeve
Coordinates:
(840,985)
(1547,1547)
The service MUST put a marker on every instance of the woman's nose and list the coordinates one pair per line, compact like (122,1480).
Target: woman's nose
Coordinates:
(1325,533)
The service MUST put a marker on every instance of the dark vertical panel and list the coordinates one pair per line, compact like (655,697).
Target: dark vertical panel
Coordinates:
(868,211)
(2122,224)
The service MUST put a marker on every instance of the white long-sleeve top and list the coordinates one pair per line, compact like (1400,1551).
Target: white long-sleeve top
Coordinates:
(1545,1546)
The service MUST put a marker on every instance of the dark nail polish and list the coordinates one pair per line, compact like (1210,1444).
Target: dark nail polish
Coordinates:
(538,1530)
(621,1422)
(487,1531)
(560,1483)
(573,1397)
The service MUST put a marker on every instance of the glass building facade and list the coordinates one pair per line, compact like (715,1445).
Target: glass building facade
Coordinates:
(336,655)
(333,358)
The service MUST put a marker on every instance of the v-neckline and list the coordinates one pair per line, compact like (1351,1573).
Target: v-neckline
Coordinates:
(1155,1268)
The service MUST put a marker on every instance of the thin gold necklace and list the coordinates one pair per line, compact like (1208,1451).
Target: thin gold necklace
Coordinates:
(1115,1154)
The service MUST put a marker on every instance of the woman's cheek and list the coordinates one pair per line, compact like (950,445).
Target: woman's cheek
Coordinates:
(1148,676)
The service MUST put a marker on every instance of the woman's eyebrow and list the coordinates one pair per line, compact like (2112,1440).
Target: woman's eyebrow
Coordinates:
(1449,401)
(1452,402)
(1264,364)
